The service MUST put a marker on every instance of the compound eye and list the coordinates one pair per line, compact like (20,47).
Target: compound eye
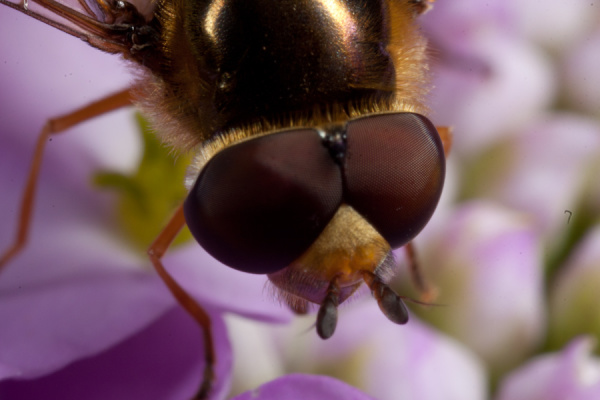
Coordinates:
(394,173)
(258,205)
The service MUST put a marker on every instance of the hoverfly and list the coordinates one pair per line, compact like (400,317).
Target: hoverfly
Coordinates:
(314,159)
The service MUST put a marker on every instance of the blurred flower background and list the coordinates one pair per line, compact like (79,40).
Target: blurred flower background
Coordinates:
(513,249)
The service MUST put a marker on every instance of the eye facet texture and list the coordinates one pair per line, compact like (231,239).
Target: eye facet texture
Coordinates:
(394,173)
(258,205)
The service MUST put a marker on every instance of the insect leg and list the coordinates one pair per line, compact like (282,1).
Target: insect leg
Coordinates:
(156,252)
(105,36)
(389,302)
(327,315)
(52,127)
(445,133)
(86,7)
(428,293)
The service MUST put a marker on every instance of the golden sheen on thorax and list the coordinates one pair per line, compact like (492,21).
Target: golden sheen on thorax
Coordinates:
(313,155)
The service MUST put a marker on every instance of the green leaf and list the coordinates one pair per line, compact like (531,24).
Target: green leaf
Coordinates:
(148,197)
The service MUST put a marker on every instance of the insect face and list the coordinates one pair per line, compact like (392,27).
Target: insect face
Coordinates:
(314,159)
(318,163)
(259,205)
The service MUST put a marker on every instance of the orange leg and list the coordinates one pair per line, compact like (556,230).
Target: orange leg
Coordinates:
(52,127)
(445,133)
(156,252)
(428,293)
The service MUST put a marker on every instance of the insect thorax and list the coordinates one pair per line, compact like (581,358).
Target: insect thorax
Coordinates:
(233,63)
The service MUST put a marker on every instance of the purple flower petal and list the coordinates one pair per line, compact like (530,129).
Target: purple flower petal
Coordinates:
(71,292)
(385,360)
(224,288)
(163,361)
(552,165)
(581,66)
(487,81)
(461,20)
(487,264)
(47,326)
(301,387)
(489,90)
(568,21)
(45,73)
(571,374)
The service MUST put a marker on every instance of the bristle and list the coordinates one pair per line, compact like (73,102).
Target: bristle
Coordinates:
(296,304)
(409,52)
(178,112)
(388,268)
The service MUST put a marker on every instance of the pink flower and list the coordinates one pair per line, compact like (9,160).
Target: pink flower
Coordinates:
(299,386)
(550,168)
(487,263)
(384,360)
(488,82)
(571,374)
(555,24)
(581,64)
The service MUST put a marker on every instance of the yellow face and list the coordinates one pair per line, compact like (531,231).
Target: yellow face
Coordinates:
(347,247)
